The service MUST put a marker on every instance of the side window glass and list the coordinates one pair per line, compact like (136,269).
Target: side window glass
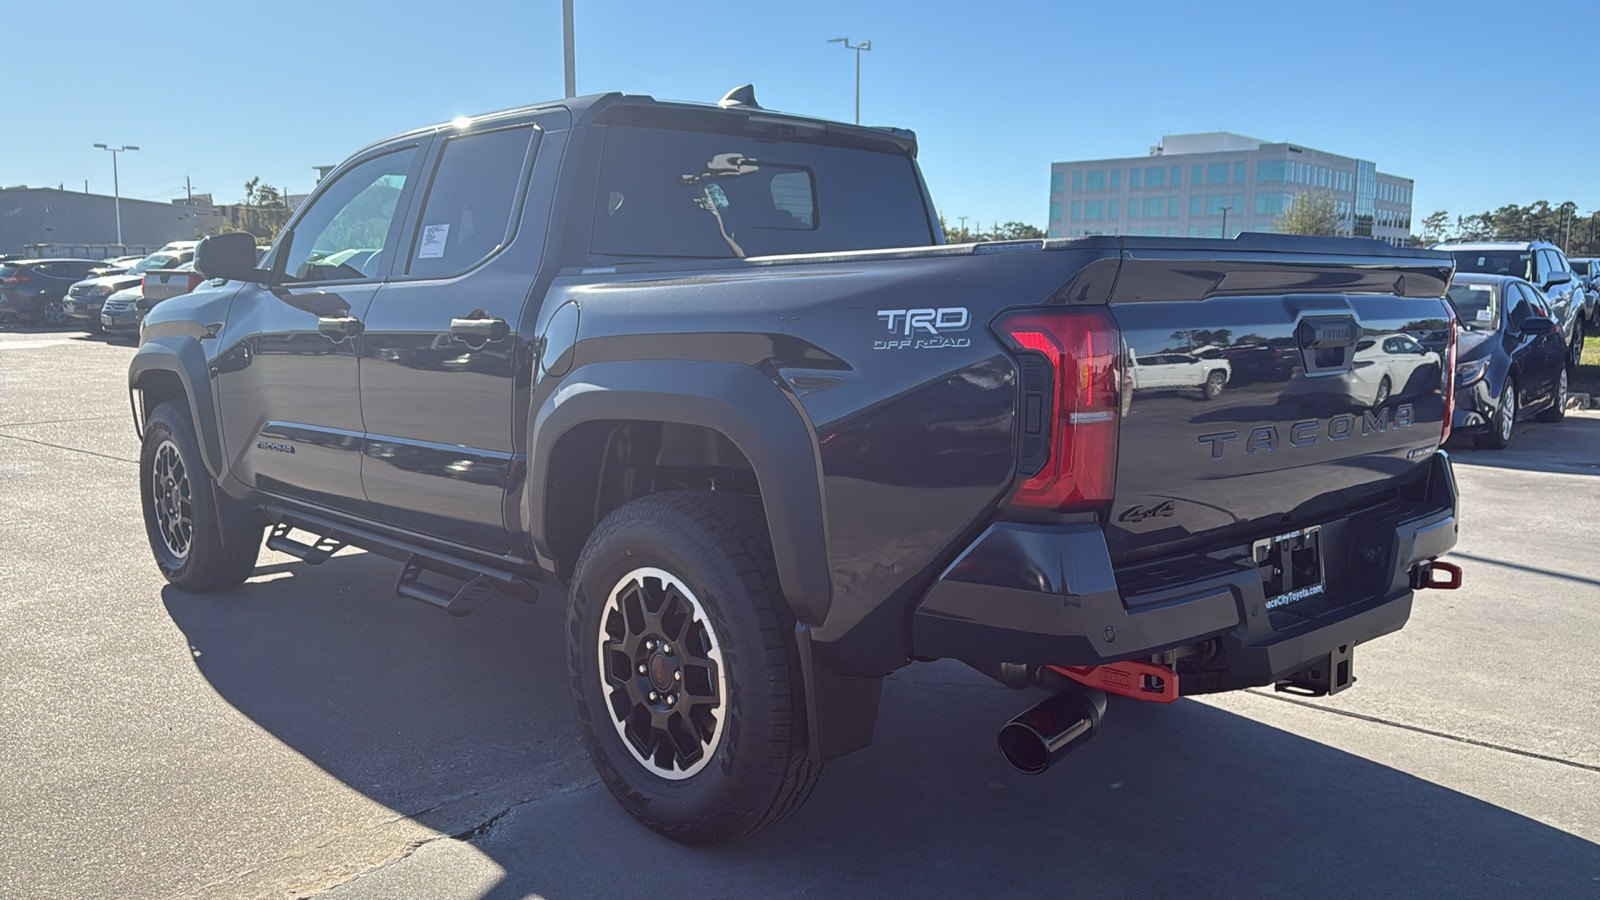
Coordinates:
(467,214)
(343,236)
(1547,265)
(1522,308)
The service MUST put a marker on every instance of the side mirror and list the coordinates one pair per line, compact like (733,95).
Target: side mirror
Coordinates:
(1537,325)
(231,256)
(1555,278)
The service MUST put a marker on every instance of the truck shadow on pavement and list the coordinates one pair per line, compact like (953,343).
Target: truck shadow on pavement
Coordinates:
(452,721)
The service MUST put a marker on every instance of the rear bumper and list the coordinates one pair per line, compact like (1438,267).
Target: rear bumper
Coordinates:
(1041,594)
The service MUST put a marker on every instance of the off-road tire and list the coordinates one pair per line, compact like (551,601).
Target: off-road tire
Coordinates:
(224,538)
(756,772)
(1559,411)
(1498,437)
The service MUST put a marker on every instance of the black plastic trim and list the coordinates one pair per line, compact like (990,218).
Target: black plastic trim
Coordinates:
(742,404)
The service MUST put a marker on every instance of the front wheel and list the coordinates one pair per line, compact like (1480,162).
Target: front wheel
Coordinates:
(202,540)
(1505,418)
(1382,396)
(1215,382)
(685,675)
(1559,411)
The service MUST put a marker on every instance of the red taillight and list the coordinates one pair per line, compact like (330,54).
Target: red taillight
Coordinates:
(1083,348)
(195,279)
(1449,373)
(18,278)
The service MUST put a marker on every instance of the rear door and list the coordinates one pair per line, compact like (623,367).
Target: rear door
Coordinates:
(443,355)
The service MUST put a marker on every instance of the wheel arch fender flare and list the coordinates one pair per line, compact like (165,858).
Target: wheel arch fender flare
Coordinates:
(184,358)
(741,403)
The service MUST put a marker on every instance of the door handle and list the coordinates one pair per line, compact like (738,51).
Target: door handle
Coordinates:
(339,327)
(480,329)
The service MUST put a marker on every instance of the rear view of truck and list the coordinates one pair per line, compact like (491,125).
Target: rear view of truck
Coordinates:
(1166,538)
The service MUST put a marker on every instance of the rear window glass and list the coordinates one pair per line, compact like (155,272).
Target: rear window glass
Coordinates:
(1517,263)
(1475,305)
(7,271)
(468,210)
(666,193)
(1580,266)
(156,261)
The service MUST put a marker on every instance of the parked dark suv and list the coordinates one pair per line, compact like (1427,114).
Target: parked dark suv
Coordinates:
(1545,266)
(32,289)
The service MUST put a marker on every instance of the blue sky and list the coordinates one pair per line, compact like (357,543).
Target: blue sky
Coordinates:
(1474,100)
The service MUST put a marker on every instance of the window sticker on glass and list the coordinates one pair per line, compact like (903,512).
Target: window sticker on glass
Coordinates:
(433,241)
(1483,315)
(1480,287)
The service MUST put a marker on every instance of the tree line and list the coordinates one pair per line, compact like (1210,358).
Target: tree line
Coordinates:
(1559,223)
(1009,231)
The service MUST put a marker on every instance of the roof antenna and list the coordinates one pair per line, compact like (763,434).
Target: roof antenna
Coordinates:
(743,96)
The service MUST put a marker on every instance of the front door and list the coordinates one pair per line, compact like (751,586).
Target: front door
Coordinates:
(442,358)
(288,380)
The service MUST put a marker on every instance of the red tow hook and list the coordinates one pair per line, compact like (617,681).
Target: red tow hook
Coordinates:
(1139,680)
(1428,581)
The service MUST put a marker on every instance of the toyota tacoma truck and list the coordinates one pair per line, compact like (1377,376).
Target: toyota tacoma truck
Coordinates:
(708,376)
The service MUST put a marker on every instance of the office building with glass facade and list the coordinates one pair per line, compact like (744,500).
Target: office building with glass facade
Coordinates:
(1219,184)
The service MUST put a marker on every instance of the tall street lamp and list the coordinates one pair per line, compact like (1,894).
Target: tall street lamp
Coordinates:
(567,49)
(1225,222)
(116,189)
(864,45)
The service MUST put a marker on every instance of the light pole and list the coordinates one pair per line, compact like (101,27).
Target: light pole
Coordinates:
(116,188)
(567,48)
(1225,222)
(864,45)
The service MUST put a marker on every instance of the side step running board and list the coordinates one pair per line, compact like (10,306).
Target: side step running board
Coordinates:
(314,554)
(476,583)
(472,594)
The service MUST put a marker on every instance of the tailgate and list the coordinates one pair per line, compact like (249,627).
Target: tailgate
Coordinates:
(1268,392)
(165,284)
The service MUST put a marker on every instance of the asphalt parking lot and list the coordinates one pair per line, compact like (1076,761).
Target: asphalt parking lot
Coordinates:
(311,734)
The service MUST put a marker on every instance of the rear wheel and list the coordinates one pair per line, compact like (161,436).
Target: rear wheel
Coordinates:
(1577,345)
(1215,382)
(53,313)
(1384,389)
(684,671)
(202,539)
(1505,418)
(1559,411)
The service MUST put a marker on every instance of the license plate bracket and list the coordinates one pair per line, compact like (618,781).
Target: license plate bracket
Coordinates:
(1291,566)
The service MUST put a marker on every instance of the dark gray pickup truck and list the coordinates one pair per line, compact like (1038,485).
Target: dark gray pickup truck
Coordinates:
(708,376)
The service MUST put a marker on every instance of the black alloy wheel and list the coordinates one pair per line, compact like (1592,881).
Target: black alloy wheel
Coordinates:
(202,539)
(684,667)
(662,670)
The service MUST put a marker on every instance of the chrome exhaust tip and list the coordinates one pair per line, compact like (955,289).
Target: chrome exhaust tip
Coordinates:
(1038,738)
